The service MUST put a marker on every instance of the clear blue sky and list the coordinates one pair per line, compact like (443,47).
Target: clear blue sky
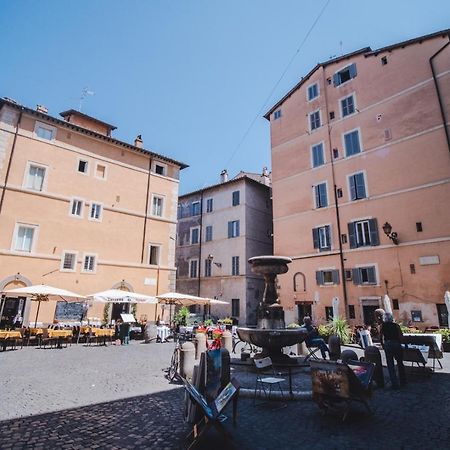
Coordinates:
(190,76)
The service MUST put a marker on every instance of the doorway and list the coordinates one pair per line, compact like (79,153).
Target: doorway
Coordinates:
(13,308)
(304,309)
(118,309)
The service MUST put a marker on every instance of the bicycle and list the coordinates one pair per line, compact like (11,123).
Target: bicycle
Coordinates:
(240,346)
(172,372)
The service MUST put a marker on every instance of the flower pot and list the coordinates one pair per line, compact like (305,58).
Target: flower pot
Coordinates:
(446,347)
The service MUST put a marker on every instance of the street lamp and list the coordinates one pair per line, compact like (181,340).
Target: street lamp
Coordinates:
(392,235)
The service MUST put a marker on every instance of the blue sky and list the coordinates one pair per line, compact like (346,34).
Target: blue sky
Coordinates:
(190,76)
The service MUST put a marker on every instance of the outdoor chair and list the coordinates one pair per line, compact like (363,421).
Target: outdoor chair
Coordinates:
(365,339)
(266,379)
(312,350)
(46,339)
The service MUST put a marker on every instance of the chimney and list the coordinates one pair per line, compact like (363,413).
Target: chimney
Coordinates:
(224,176)
(42,109)
(265,176)
(138,141)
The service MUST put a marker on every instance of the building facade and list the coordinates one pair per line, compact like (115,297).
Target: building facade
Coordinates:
(219,229)
(361,184)
(82,211)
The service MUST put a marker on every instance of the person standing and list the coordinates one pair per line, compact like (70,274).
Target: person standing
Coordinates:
(391,339)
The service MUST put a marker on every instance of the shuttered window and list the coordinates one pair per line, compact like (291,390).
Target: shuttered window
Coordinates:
(348,106)
(233,229)
(321,197)
(345,75)
(351,143)
(364,275)
(209,233)
(357,186)
(363,233)
(322,238)
(327,277)
(314,120)
(318,158)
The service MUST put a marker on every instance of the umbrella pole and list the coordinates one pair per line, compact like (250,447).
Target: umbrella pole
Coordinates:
(2,307)
(156,311)
(37,313)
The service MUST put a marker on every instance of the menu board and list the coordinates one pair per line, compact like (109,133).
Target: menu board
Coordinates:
(68,311)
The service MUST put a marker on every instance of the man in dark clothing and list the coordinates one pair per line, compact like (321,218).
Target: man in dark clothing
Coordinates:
(313,339)
(391,339)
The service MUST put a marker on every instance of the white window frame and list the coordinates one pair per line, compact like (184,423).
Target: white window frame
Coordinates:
(377,273)
(106,171)
(277,114)
(16,236)
(340,70)
(85,255)
(198,268)
(312,155)
(163,205)
(87,169)
(234,229)
(365,186)
(191,231)
(63,256)
(27,172)
(72,201)
(361,244)
(314,195)
(311,130)
(197,202)
(361,149)
(164,166)
(47,127)
(322,227)
(307,91)
(352,94)
(158,246)
(94,219)
(208,263)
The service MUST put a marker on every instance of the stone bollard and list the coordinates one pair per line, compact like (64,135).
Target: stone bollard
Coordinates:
(226,367)
(349,355)
(227,341)
(373,355)
(334,344)
(150,332)
(187,360)
(200,340)
(302,349)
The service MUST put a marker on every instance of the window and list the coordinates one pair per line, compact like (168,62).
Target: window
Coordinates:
(35,177)
(419,227)
(351,143)
(442,313)
(195,208)
(235,307)
(44,131)
(69,262)
(321,238)
(96,211)
(208,233)
(363,233)
(208,267)
(76,208)
(364,275)
(351,312)
(384,60)
(331,115)
(235,265)
(209,205)
(328,276)
(82,166)
(193,268)
(357,186)
(328,313)
(395,305)
(100,171)
(277,114)
(235,198)
(313,91)
(157,206)
(24,238)
(233,229)
(160,169)
(345,75)
(154,254)
(89,263)
(320,193)
(317,154)
(347,106)
(195,235)
(314,120)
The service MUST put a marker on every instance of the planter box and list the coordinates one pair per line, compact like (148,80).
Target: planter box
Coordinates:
(446,347)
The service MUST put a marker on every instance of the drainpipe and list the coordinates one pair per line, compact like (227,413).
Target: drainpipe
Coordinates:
(146,210)
(10,160)
(200,244)
(336,200)
(441,106)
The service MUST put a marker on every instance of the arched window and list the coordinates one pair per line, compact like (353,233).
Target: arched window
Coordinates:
(299,282)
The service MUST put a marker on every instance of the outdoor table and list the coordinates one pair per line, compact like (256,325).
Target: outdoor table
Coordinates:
(59,335)
(163,333)
(103,333)
(6,335)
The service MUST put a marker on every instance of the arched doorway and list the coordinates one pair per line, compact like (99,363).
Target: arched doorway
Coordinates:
(120,308)
(14,310)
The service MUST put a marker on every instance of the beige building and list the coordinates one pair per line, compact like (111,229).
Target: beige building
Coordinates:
(361,184)
(219,228)
(82,211)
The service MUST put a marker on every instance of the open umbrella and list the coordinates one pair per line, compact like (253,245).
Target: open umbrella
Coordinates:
(118,296)
(44,293)
(335,303)
(447,303)
(387,304)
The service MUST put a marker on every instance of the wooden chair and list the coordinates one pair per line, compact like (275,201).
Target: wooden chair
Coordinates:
(46,339)
(266,379)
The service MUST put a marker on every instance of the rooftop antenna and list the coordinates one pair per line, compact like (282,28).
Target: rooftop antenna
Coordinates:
(342,48)
(84,93)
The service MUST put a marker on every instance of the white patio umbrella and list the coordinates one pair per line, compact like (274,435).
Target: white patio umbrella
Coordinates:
(335,304)
(387,304)
(119,296)
(44,293)
(447,303)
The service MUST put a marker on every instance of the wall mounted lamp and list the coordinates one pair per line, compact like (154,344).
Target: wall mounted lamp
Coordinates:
(392,235)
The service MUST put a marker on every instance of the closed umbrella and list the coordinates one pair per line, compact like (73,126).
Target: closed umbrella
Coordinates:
(447,303)
(387,304)
(335,304)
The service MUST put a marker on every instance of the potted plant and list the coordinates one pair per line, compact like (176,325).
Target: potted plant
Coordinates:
(338,327)
(228,322)
(445,338)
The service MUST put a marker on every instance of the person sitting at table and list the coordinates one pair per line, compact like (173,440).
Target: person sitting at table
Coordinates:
(313,339)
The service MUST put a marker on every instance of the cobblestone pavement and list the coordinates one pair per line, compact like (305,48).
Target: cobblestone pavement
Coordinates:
(116,416)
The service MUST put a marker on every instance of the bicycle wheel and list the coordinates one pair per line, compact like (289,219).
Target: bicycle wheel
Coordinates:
(173,369)
(241,346)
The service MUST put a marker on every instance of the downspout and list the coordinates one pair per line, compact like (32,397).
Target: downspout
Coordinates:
(336,201)
(10,160)
(146,210)
(200,244)
(441,106)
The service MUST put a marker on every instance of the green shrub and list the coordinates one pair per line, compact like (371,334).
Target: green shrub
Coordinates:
(445,335)
(227,321)
(338,327)
(181,316)
(324,331)
(208,322)
(293,325)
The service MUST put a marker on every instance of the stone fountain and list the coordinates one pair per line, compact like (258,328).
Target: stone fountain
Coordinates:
(271,333)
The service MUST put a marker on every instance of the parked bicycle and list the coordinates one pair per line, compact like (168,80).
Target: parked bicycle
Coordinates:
(240,346)
(172,372)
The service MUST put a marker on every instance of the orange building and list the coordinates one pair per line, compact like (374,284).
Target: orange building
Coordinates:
(82,211)
(361,184)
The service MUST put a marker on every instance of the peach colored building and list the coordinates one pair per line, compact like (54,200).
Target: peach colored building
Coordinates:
(82,211)
(363,141)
